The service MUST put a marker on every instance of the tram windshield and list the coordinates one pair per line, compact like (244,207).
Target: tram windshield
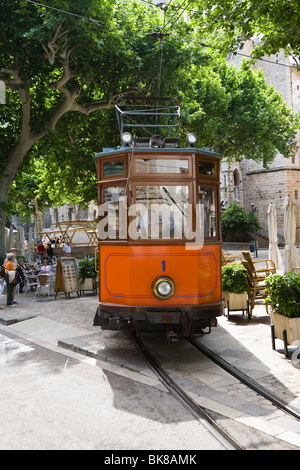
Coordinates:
(162,165)
(162,211)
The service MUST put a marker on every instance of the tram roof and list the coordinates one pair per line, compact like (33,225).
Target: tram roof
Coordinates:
(175,150)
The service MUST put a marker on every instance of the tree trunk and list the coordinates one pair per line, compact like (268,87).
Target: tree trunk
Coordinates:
(2,227)
(38,216)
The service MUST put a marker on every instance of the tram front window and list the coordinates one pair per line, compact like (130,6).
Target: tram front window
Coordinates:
(161,212)
(162,165)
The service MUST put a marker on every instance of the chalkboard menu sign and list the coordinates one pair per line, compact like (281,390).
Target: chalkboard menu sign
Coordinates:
(66,276)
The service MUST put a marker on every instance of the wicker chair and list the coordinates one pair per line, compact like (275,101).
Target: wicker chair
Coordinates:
(266,267)
(256,287)
(228,258)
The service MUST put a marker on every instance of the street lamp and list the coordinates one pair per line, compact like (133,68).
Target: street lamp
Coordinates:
(254,228)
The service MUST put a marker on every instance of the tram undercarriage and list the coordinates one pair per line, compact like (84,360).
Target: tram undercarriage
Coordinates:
(188,321)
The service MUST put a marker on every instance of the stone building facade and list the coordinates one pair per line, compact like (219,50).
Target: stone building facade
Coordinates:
(70,212)
(248,182)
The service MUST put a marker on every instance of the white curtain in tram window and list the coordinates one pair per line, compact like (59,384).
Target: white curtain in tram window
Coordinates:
(274,253)
(291,258)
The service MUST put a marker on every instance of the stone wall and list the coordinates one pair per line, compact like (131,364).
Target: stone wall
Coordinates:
(261,186)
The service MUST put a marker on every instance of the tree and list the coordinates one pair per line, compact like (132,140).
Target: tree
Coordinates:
(238,115)
(63,73)
(237,224)
(53,63)
(236,21)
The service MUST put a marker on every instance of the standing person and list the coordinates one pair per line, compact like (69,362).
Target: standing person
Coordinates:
(45,240)
(50,250)
(21,270)
(13,251)
(41,250)
(9,267)
(67,248)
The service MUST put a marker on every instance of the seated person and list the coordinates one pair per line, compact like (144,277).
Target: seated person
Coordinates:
(47,257)
(45,268)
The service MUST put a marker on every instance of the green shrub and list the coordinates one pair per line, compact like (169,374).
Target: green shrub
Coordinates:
(86,269)
(234,278)
(284,293)
(236,219)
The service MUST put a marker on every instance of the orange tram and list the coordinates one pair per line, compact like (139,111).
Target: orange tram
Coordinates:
(159,237)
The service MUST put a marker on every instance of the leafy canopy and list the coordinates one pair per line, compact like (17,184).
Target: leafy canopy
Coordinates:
(276,23)
(63,74)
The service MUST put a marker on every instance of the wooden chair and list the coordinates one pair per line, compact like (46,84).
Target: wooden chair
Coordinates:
(266,267)
(256,287)
(228,258)
(296,270)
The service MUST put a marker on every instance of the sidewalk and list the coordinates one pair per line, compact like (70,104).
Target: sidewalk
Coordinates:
(68,323)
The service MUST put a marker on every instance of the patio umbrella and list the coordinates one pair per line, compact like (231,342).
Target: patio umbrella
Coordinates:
(6,239)
(20,240)
(29,251)
(11,239)
(274,253)
(291,258)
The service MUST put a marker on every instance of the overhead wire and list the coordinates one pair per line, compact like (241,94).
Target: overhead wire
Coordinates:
(66,12)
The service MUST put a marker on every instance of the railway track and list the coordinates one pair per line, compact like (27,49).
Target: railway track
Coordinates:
(244,378)
(220,434)
(200,413)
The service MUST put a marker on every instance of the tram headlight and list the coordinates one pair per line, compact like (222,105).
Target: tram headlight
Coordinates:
(163,287)
(191,139)
(126,138)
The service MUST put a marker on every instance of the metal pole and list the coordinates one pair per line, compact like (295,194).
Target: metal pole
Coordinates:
(254,228)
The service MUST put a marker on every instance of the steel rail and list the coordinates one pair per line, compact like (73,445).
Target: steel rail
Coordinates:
(244,378)
(197,411)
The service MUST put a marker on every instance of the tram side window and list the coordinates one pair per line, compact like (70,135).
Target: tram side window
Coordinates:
(113,167)
(161,212)
(113,222)
(206,168)
(207,199)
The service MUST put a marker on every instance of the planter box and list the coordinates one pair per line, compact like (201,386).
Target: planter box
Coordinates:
(234,302)
(286,328)
(88,284)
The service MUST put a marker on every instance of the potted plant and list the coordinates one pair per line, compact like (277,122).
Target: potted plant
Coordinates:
(235,287)
(284,297)
(87,274)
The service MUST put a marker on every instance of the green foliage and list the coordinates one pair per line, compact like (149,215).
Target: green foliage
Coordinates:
(276,23)
(234,278)
(62,74)
(86,269)
(284,293)
(236,219)
(237,114)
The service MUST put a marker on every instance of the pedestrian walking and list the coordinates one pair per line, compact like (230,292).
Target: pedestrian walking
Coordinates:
(10,274)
